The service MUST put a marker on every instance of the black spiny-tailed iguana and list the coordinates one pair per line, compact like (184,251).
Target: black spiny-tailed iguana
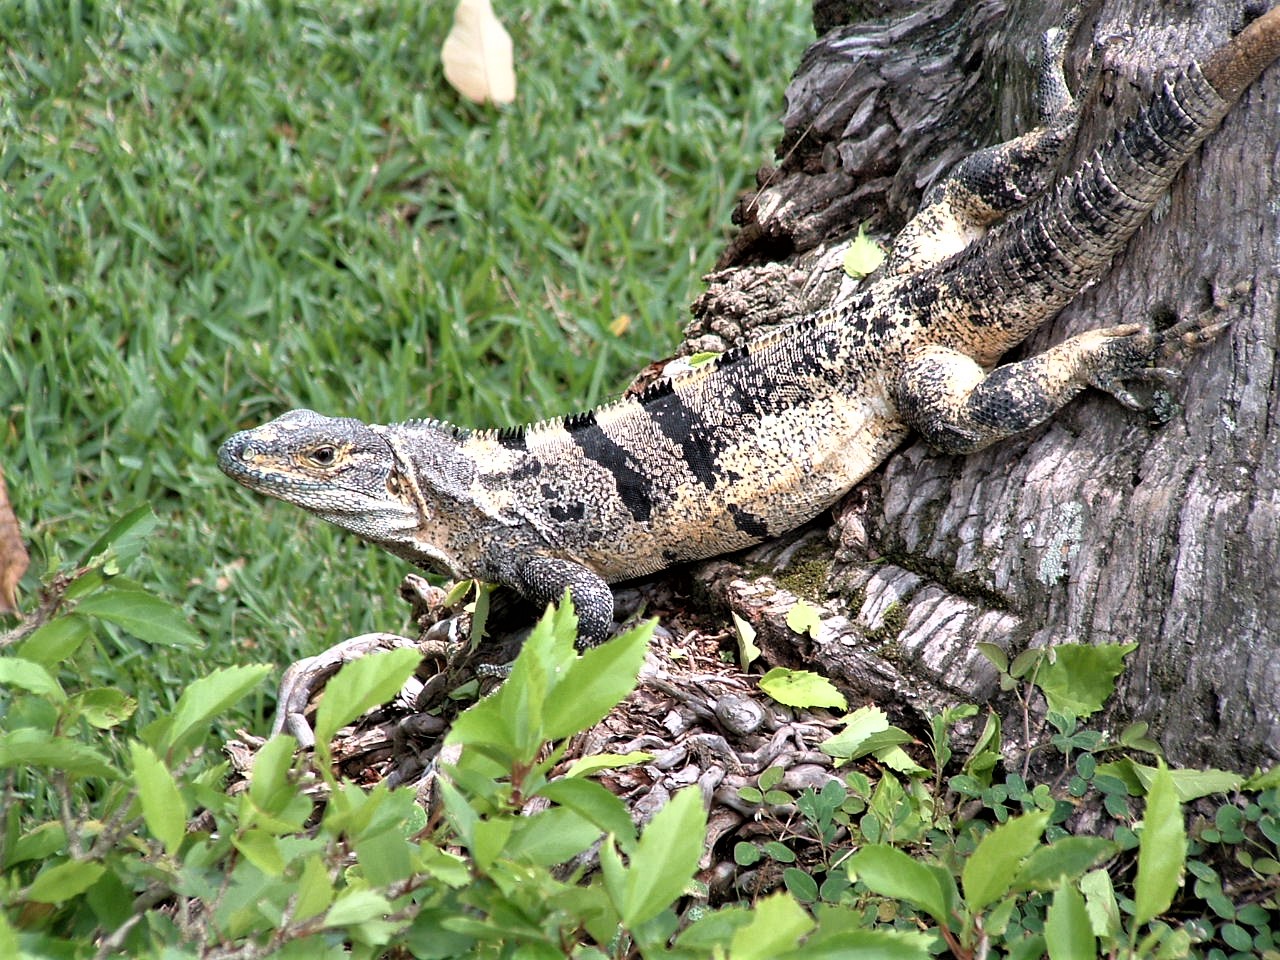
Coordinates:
(770,434)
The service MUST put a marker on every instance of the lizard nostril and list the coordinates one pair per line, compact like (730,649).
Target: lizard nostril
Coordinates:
(236,448)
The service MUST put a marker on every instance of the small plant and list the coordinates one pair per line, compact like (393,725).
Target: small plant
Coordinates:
(137,849)
(992,863)
(126,842)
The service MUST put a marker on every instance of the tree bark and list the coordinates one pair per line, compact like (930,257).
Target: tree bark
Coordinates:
(1103,525)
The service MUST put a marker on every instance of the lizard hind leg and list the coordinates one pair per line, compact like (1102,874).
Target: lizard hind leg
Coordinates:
(958,408)
(993,182)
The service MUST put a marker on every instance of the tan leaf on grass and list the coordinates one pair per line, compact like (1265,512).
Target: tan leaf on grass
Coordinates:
(477,54)
(13,555)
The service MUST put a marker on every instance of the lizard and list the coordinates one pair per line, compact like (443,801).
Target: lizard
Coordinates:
(773,432)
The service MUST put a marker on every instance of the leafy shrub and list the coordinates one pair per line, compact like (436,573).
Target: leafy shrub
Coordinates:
(124,841)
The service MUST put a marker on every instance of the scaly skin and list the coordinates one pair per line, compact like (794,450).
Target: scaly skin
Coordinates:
(770,435)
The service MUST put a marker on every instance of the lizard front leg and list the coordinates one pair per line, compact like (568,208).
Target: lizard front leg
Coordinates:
(959,408)
(545,579)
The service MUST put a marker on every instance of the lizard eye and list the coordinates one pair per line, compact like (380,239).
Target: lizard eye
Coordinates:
(323,456)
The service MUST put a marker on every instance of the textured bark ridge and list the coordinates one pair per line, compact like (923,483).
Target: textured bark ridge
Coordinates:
(875,112)
(1102,526)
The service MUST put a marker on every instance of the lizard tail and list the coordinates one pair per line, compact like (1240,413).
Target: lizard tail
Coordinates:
(1231,69)
(1066,238)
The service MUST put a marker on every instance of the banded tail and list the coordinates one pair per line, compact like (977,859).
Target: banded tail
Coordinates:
(1059,243)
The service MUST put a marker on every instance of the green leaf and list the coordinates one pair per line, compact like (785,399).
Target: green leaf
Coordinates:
(867,732)
(32,677)
(141,614)
(856,944)
(163,808)
(270,774)
(1190,785)
(996,921)
(1162,850)
(1027,662)
(479,610)
(1264,779)
(64,881)
(276,804)
(995,655)
(665,858)
(489,839)
(1067,933)
(38,748)
(56,640)
(362,685)
(988,873)
(551,837)
(804,618)
(262,849)
(891,873)
(893,756)
(1100,903)
(357,906)
(1077,678)
(606,761)
(863,255)
(458,592)
(39,843)
(1124,770)
(748,652)
(596,683)
(985,755)
(712,931)
(315,889)
(777,924)
(592,801)
(745,854)
(706,356)
(1134,736)
(203,700)
(8,939)
(801,688)
(460,814)
(103,707)
(1070,857)
(508,725)
(123,540)
(386,856)
(612,871)
(801,885)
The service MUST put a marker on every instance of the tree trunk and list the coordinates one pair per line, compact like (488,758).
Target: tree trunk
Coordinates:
(1103,525)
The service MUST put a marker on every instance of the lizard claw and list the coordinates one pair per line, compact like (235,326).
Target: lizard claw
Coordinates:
(1164,377)
(1193,332)
(1151,357)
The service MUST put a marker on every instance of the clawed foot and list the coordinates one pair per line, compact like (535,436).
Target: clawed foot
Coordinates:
(1135,354)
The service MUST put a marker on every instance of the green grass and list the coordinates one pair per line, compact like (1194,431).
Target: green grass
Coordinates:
(212,213)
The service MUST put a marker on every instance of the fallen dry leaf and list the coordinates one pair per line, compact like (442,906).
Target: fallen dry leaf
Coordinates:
(13,554)
(477,54)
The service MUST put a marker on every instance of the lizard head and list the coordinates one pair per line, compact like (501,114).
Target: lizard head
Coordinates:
(342,470)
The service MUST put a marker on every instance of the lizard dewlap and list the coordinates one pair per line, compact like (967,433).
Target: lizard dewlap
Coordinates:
(769,435)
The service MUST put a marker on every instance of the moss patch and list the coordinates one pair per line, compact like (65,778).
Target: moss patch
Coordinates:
(808,573)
